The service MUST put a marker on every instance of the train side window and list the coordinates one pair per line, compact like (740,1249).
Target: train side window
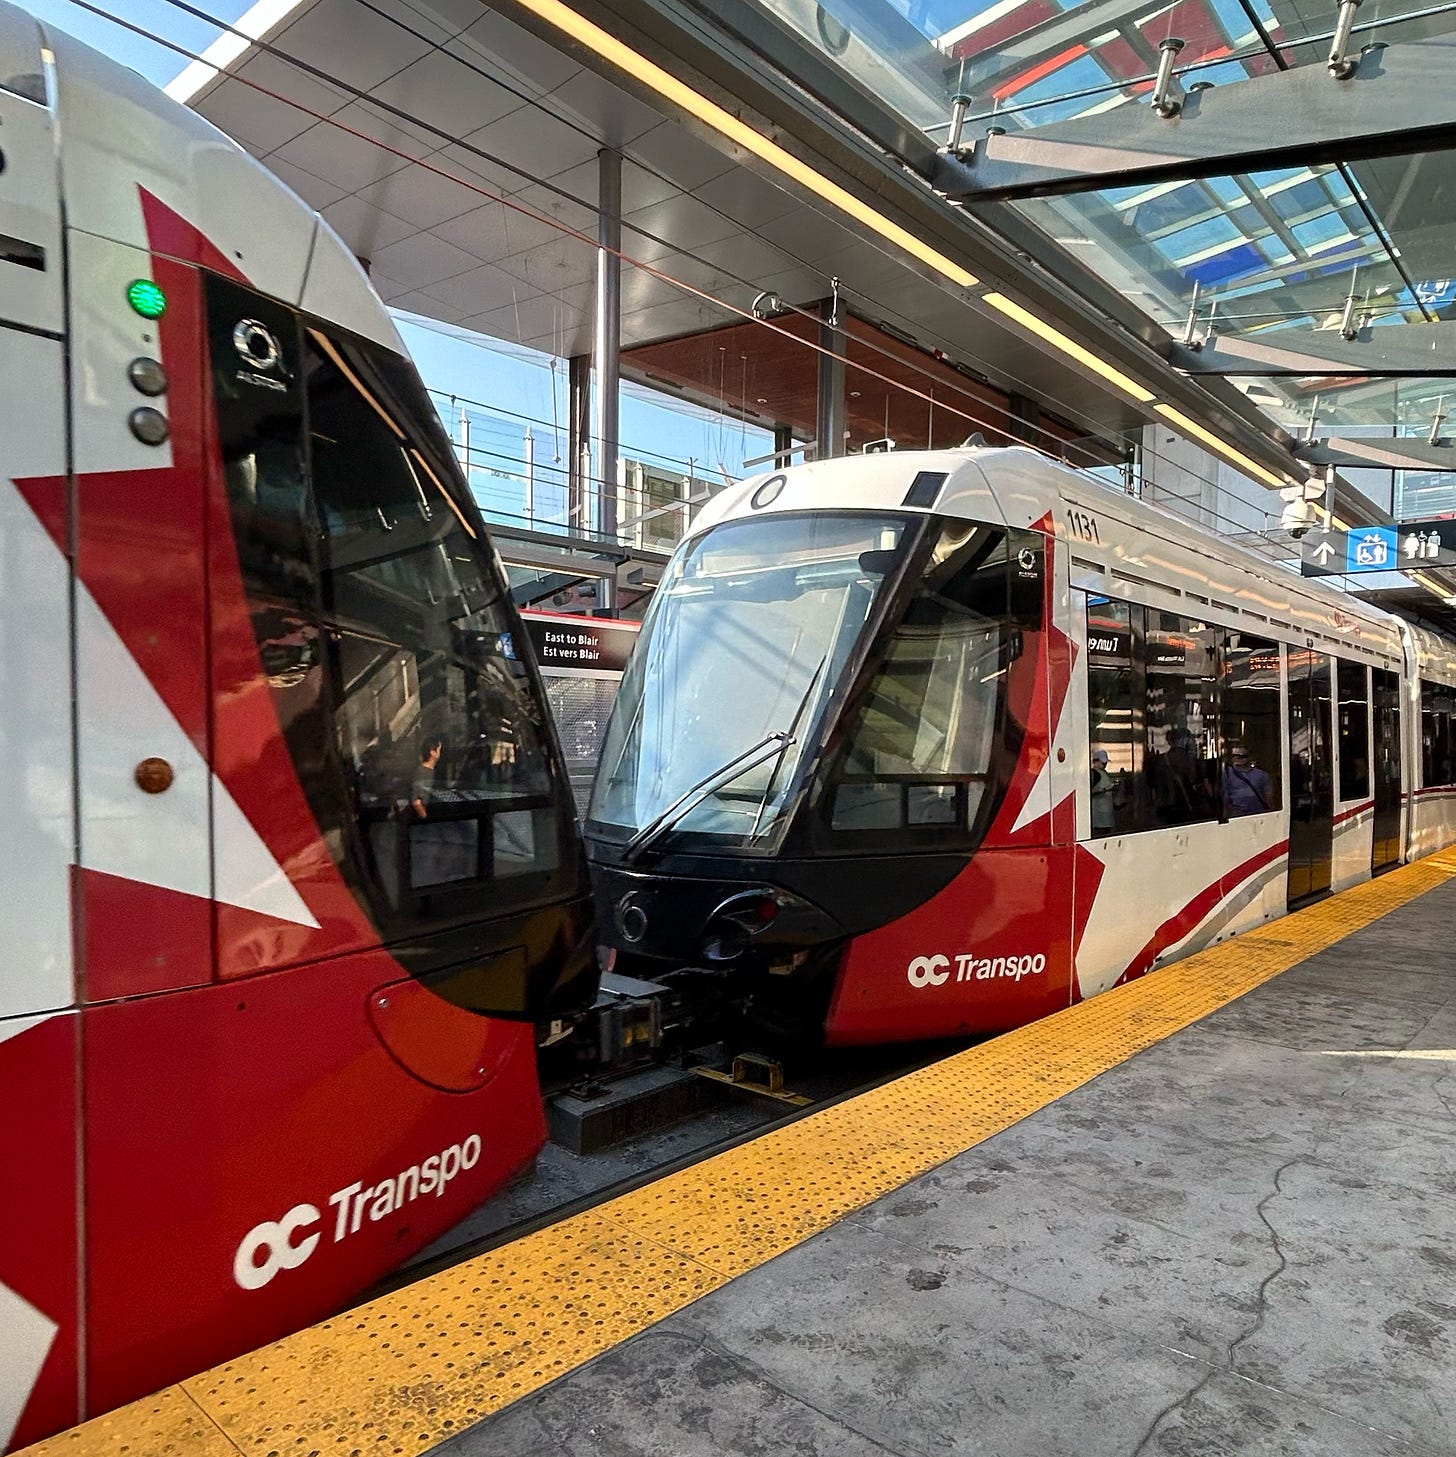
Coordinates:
(1437,765)
(1353,729)
(1253,775)
(1115,720)
(919,755)
(434,720)
(1182,762)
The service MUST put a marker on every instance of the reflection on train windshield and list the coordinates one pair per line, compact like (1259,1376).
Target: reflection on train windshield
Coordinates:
(747,638)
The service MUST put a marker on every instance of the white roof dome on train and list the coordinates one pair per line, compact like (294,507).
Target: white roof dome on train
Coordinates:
(123,135)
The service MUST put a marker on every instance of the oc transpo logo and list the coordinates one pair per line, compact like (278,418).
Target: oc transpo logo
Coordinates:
(934,971)
(282,1244)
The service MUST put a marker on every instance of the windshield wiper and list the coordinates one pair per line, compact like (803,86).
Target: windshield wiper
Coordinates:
(768,747)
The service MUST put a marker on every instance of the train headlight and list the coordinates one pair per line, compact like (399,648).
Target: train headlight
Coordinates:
(631,919)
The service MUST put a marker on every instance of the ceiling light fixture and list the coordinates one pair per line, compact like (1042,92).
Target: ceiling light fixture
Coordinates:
(1068,346)
(666,85)
(1229,453)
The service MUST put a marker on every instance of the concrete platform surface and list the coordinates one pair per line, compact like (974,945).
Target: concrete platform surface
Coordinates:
(1242,1240)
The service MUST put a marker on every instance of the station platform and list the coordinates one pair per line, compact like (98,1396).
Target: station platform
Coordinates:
(1213,1211)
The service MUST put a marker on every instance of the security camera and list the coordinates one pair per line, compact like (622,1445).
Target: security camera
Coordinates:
(1297,518)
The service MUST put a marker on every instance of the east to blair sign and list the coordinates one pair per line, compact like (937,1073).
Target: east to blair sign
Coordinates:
(1402,547)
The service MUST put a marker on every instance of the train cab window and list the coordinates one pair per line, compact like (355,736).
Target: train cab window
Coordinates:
(1253,773)
(1438,752)
(1353,729)
(744,651)
(917,763)
(438,733)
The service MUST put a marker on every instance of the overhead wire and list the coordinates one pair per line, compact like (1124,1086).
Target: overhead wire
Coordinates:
(980,421)
(1058,445)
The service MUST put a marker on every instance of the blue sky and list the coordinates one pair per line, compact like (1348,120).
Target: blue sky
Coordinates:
(155,62)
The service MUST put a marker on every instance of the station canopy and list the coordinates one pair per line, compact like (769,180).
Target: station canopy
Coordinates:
(1289,227)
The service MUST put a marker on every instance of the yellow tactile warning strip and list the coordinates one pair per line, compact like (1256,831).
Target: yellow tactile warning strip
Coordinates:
(413,1368)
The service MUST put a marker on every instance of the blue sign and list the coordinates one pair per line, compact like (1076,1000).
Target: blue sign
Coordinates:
(1372,549)
(1436,293)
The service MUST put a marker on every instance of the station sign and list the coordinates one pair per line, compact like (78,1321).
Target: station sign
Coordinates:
(1399,547)
(580,645)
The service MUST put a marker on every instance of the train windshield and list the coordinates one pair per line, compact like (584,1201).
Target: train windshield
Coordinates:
(747,640)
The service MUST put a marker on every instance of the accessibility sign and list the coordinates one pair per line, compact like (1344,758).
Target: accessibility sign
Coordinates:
(1399,547)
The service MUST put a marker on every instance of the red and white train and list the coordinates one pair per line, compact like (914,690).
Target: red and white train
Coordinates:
(290,870)
(926,744)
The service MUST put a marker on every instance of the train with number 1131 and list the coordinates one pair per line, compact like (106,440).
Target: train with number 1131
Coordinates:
(918,745)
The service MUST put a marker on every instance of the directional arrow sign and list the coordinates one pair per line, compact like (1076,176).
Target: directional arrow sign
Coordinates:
(1324,556)
(1402,546)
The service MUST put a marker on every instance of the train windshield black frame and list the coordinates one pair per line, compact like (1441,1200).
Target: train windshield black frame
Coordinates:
(415,724)
(750,634)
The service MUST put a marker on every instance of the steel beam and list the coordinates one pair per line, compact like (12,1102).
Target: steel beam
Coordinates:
(830,417)
(607,336)
(1399,99)
(1390,452)
(1418,350)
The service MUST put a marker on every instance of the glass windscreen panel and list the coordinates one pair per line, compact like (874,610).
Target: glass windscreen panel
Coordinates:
(381,625)
(749,635)
(917,762)
(435,714)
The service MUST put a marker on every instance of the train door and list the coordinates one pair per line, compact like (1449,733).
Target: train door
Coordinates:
(1352,822)
(1311,777)
(1385,769)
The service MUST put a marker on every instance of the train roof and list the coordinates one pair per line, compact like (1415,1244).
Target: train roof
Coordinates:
(124,139)
(1132,549)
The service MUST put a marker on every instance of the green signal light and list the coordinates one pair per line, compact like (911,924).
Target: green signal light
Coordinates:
(146,298)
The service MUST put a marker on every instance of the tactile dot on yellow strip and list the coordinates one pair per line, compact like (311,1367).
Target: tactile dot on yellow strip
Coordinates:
(168,1424)
(415,1367)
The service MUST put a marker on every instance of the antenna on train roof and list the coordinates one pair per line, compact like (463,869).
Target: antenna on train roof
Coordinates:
(974,441)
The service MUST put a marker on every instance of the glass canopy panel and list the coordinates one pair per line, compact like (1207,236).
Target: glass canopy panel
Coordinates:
(1226,255)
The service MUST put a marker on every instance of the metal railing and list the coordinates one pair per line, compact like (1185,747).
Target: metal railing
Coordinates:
(517,468)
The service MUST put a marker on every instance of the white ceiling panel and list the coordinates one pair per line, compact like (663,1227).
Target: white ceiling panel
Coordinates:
(541,317)
(507,46)
(364,227)
(557,209)
(808,235)
(419,303)
(278,76)
(379,126)
(459,159)
(679,222)
(495,231)
(479,291)
(640,187)
(437,19)
(247,116)
(421,197)
(581,182)
(346,40)
(676,154)
(423,260)
(606,110)
(446,93)
(337,157)
(540,143)
(553,266)
(747,199)
(317,193)
(746,256)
